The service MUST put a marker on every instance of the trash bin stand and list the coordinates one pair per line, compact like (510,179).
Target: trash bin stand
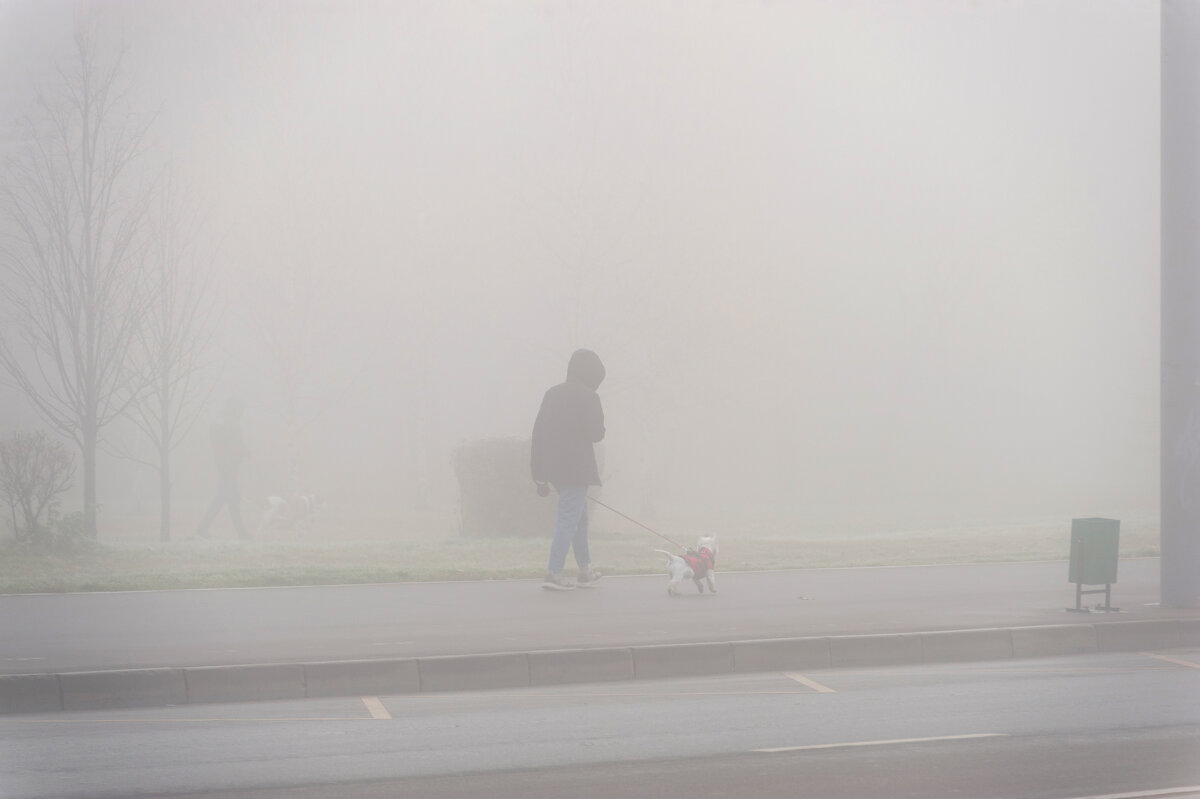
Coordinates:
(1094,558)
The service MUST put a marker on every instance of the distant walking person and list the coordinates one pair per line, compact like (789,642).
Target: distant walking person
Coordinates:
(228,451)
(569,422)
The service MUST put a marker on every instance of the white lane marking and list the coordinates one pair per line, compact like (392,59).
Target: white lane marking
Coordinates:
(376,708)
(1176,661)
(885,743)
(1144,794)
(664,694)
(813,684)
(220,719)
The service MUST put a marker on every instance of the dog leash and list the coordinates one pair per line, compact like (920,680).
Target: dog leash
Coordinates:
(660,535)
(639,524)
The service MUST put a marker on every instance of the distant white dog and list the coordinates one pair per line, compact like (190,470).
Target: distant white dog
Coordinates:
(698,565)
(283,514)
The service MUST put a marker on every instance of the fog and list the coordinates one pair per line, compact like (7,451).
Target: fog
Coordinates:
(858,264)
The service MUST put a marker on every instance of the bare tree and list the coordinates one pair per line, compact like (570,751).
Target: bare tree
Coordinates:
(34,470)
(173,336)
(71,269)
(296,329)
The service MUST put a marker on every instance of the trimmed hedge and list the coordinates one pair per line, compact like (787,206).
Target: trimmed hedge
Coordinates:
(497,496)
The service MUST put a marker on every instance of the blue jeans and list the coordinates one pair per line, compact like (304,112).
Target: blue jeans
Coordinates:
(227,494)
(571,528)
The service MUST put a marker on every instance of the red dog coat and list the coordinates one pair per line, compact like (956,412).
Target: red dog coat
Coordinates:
(700,562)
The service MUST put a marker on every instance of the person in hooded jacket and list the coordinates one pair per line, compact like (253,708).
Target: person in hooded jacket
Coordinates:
(568,423)
(228,451)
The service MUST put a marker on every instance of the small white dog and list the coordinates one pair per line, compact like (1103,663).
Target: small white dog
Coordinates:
(287,514)
(698,565)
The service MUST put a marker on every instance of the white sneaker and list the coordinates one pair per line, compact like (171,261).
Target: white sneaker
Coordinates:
(556,582)
(588,578)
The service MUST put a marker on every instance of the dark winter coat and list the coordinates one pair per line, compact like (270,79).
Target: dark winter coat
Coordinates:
(228,449)
(568,423)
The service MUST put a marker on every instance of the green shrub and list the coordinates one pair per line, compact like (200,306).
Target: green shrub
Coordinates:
(497,496)
(34,471)
(69,531)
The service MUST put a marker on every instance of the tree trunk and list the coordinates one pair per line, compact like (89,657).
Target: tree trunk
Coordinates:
(164,494)
(164,467)
(89,483)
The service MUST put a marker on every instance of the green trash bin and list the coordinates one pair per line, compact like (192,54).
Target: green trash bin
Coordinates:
(1094,548)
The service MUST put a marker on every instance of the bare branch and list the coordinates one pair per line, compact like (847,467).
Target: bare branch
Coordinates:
(73,279)
(34,470)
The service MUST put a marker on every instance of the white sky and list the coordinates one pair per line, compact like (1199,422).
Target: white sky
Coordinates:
(841,259)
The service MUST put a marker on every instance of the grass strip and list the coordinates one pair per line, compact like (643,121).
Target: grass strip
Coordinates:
(125,566)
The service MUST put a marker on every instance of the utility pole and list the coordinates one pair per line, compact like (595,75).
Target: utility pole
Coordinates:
(1180,342)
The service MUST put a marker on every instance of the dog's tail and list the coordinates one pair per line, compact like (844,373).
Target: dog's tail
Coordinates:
(668,554)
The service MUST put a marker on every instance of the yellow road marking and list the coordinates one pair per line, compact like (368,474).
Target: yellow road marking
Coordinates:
(813,684)
(1176,661)
(885,743)
(376,708)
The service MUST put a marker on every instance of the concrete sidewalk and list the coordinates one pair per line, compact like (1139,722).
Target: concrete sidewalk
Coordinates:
(169,647)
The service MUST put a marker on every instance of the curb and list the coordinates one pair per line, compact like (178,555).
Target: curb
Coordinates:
(118,688)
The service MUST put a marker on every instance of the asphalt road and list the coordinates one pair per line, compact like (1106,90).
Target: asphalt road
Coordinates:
(1035,729)
(77,632)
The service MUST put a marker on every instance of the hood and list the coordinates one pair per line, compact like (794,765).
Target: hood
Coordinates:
(585,367)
